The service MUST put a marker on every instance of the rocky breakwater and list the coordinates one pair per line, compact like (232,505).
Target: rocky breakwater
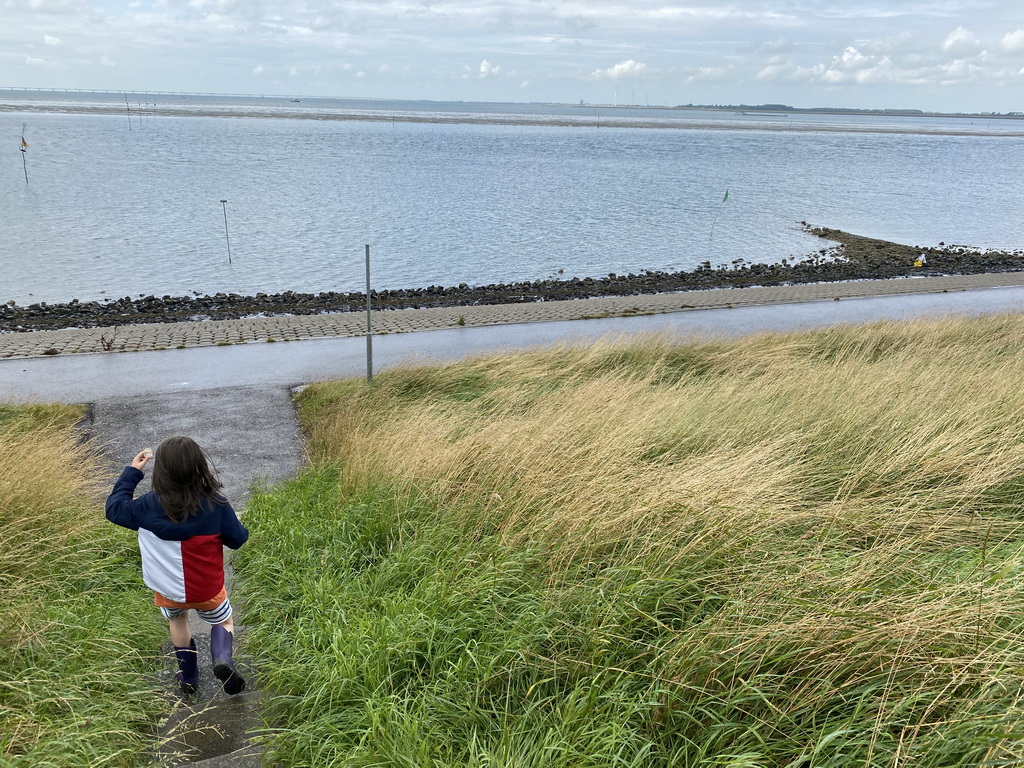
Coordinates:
(855,257)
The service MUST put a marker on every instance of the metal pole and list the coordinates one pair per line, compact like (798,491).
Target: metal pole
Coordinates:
(24,151)
(224,205)
(369,324)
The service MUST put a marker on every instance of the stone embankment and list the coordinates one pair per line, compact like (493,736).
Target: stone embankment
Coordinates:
(854,258)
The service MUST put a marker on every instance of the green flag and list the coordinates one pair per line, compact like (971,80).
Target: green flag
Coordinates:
(726,196)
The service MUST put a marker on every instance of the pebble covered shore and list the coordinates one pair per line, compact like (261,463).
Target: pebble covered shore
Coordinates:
(854,258)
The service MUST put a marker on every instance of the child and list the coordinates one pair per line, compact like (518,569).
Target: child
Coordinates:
(183,525)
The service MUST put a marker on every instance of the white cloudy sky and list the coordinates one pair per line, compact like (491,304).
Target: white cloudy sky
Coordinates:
(945,55)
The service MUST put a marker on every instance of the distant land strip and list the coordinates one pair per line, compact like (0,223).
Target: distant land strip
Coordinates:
(14,91)
(579,120)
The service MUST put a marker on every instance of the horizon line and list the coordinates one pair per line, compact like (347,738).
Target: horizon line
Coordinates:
(905,111)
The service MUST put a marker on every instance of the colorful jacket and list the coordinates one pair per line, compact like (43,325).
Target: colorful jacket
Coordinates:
(184,562)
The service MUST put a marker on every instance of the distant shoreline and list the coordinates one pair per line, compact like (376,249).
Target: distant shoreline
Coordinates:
(855,258)
(744,108)
(310,111)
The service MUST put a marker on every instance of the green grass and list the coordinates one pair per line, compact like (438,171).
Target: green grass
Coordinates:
(398,639)
(787,550)
(413,663)
(77,643)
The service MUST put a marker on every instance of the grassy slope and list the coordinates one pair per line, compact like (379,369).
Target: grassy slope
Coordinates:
(797,550)
(73,690)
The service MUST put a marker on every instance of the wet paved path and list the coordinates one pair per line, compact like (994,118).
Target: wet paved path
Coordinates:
(253,437)
(131,338)
(183,373)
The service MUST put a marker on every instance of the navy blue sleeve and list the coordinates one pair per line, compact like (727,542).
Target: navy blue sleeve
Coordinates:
(232,532)
(120,508)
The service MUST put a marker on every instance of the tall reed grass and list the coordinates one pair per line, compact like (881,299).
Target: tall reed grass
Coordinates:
(73,685)
(786,550)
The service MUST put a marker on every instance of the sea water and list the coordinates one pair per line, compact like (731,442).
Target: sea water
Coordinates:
(130,204)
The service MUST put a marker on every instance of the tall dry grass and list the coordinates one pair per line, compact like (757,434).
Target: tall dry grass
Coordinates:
(72,652)
(47,475)
(802,539)
(893,428)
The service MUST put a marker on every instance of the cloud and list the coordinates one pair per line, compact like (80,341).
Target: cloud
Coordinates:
(1013,42)
(802,51)
(961,42)
(900,43)
(852,59)
(267,29)
(105,62)
(622,71)
(580,23)
(958,71)
(712,75)
(861,70)
(54,6)
(775,69)
(777,46)
(896,61)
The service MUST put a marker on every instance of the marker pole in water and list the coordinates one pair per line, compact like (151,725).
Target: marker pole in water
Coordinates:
(224,205)
(716,216)
(24,152)
(369,323)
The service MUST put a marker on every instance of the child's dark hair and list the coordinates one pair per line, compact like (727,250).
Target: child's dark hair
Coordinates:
(183,477)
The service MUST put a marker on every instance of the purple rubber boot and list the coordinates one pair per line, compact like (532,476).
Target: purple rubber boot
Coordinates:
(223,665)
(188,668)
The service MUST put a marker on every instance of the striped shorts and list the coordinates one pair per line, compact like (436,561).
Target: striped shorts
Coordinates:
(214,611)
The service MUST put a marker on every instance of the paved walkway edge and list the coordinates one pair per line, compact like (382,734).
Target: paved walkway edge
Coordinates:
(136,338)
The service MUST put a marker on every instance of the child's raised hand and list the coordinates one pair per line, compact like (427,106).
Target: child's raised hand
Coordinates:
(142,459)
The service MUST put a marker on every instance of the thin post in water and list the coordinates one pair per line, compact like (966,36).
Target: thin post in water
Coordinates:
(369,323)
(224,205)
(24,152)
(711,236)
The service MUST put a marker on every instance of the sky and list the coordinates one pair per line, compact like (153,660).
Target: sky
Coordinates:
(934,55)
